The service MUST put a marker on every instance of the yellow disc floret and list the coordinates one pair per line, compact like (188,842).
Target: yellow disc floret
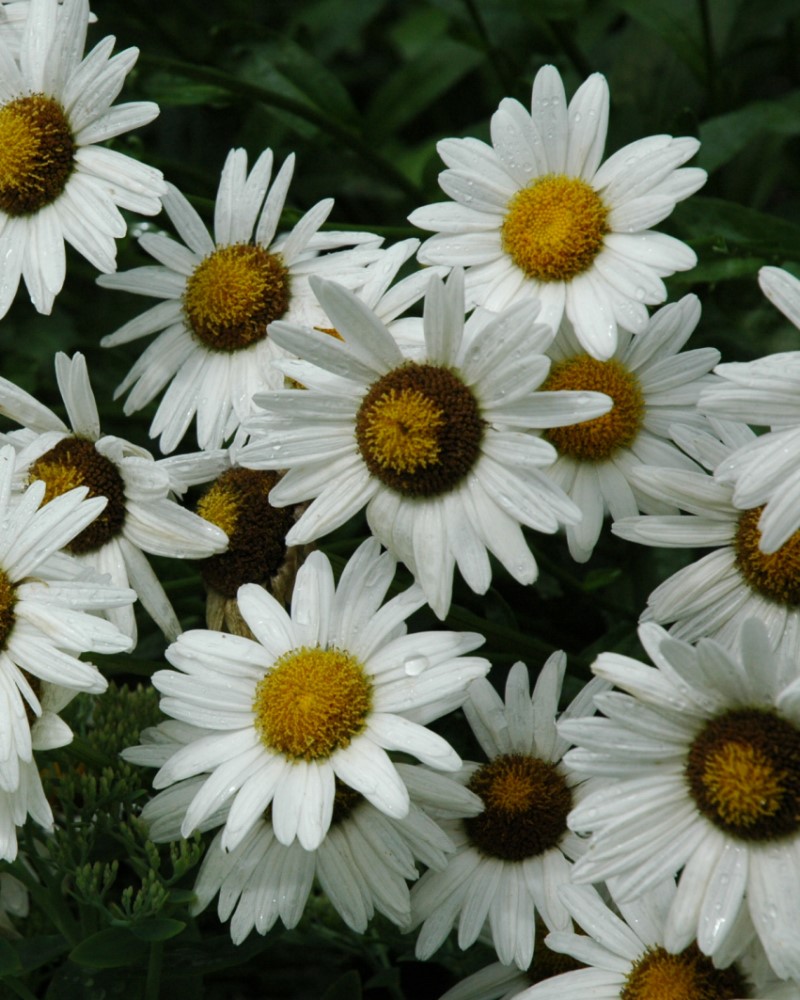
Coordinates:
(419,429)
(775,575)
(75,462)
(743,770)
(234,294)
(36,153)
(596,440)
(554,228)
(8,600)
(526,803)
(689,975)
(312,702)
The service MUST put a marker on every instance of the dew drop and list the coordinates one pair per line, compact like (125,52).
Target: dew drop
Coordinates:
(414,665)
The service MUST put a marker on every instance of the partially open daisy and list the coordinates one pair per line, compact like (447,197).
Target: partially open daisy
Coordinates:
(624,957)
(48,618)
(220,296)
(362,865)
(56,183)
(319,694)
(535,215)
(435,446)
(512,857)
(139,513)
(652,386)
(704,753)
(711,596)
(237,501)
(766,471)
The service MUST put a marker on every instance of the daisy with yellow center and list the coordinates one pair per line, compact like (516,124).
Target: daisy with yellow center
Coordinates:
(535,215)
(219,297)
(653,384)
(624,956)
(511,857)
(700,761)
(317,695)
(261,880)
(56,183)
(139,511)
(765,472)
(737,579)
(434,440)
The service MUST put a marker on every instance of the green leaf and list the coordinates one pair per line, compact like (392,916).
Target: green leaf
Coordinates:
(10,962)
(173,90)
(676,23)
(36,951)
(726,135)
(314,80)
(418,84)
(157,929)
(735,230)
(348,987)
(596,579)
(112,948)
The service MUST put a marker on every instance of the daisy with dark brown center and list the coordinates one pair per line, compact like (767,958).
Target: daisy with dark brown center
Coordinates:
(56,183)
(701,768)
(512,856)
(441,445)
(139,511)
(219,297)
(737,579)
(48,617)
(319,694)
(653,385)
(536,216)
(625,957)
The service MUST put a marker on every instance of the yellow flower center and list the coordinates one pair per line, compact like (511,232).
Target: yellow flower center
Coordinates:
(596,440)
(234,294)
(36,153)
(689,975)
(76,462)
(775,576)
(312,703)
(554,228)
(8,600)
(526,803)
(419,429)
(238,503)
(743,771)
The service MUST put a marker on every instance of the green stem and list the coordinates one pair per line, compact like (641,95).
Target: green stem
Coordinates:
(153,984)
(492,54)
(708,53)
(207,74)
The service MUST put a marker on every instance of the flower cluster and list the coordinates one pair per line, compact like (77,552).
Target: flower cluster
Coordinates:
(635,835)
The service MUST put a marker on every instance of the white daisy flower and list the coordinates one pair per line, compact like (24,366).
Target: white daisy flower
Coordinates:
(46,620)
(140,514)
(219,297)
(535,215)
(623,957)
(27,799)
(737,580)
(435,447)
(319,694)
(512,857)
(362,865)
(765,471)
(653,386)
(56,183)
(13,15)
(704,755)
